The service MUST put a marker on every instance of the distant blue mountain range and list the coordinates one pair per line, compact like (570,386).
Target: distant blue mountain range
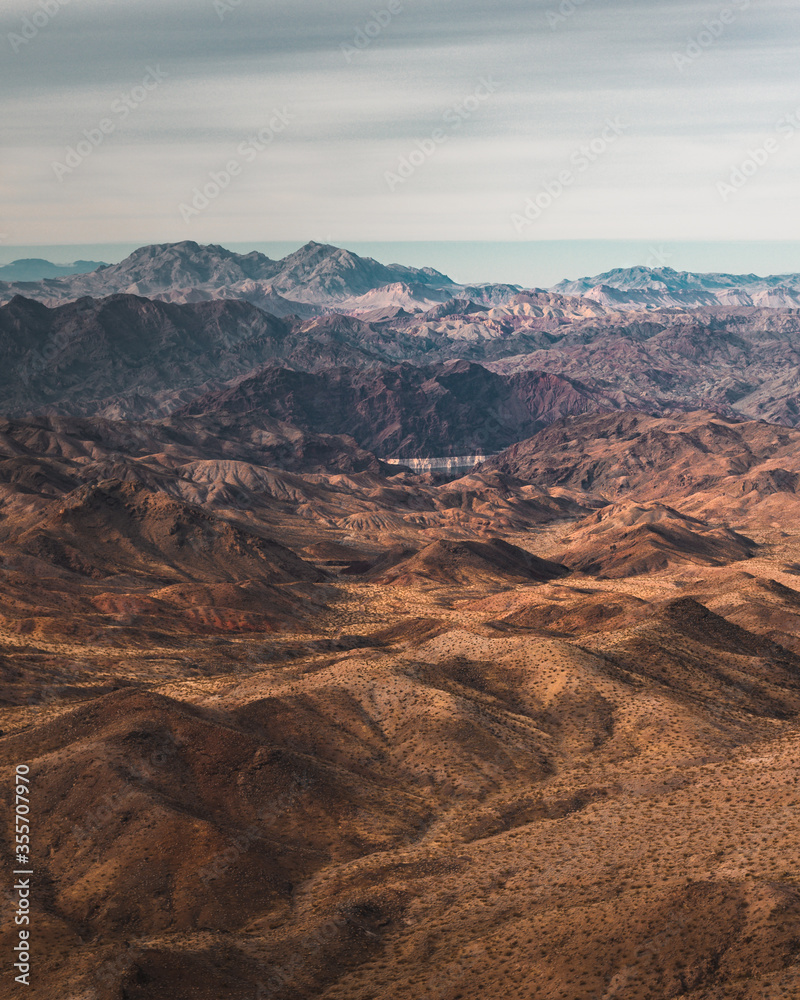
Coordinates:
(35,269)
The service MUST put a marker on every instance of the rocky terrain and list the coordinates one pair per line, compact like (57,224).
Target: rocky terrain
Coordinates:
(317,276)
(644,287)
(123,343)
(403,411)
(301,723)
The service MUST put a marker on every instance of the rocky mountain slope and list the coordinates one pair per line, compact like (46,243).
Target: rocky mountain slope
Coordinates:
(663,287)
(312,279)
(623,539)
(126,356)
(738,362)
(403,411)
(698,462)
(361,734)
(319,276)
(129,355)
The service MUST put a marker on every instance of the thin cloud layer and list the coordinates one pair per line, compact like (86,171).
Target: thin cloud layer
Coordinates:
(409,119)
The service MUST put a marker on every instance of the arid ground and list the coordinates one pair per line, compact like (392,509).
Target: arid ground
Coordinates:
(527,733)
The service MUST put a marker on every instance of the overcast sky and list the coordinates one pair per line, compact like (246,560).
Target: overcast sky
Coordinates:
(639,109)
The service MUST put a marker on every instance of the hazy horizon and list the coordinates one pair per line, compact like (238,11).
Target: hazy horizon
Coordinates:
(540,264)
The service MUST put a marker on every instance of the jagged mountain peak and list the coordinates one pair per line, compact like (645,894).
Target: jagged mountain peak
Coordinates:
(317,276)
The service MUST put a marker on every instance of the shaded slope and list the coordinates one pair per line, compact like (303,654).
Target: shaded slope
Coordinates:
(457,408)
(687,648)
(628,539)
(471,563)
(724,466)
(114,528)
(78,357)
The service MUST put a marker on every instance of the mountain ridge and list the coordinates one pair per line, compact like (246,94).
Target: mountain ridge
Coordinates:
(316,277)
(664,287)
(35,269)
(320,276)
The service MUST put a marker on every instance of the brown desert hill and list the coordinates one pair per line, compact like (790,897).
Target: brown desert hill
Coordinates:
(112,528)
(572,611)
(652,458)
(681,645)
(328,553)
(137,766)
(626,539)
(470,563)
(199,849)
(268,790)
(510,814)
(377,567)
(762,605)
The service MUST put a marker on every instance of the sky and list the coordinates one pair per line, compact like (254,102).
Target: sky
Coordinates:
(608,123)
